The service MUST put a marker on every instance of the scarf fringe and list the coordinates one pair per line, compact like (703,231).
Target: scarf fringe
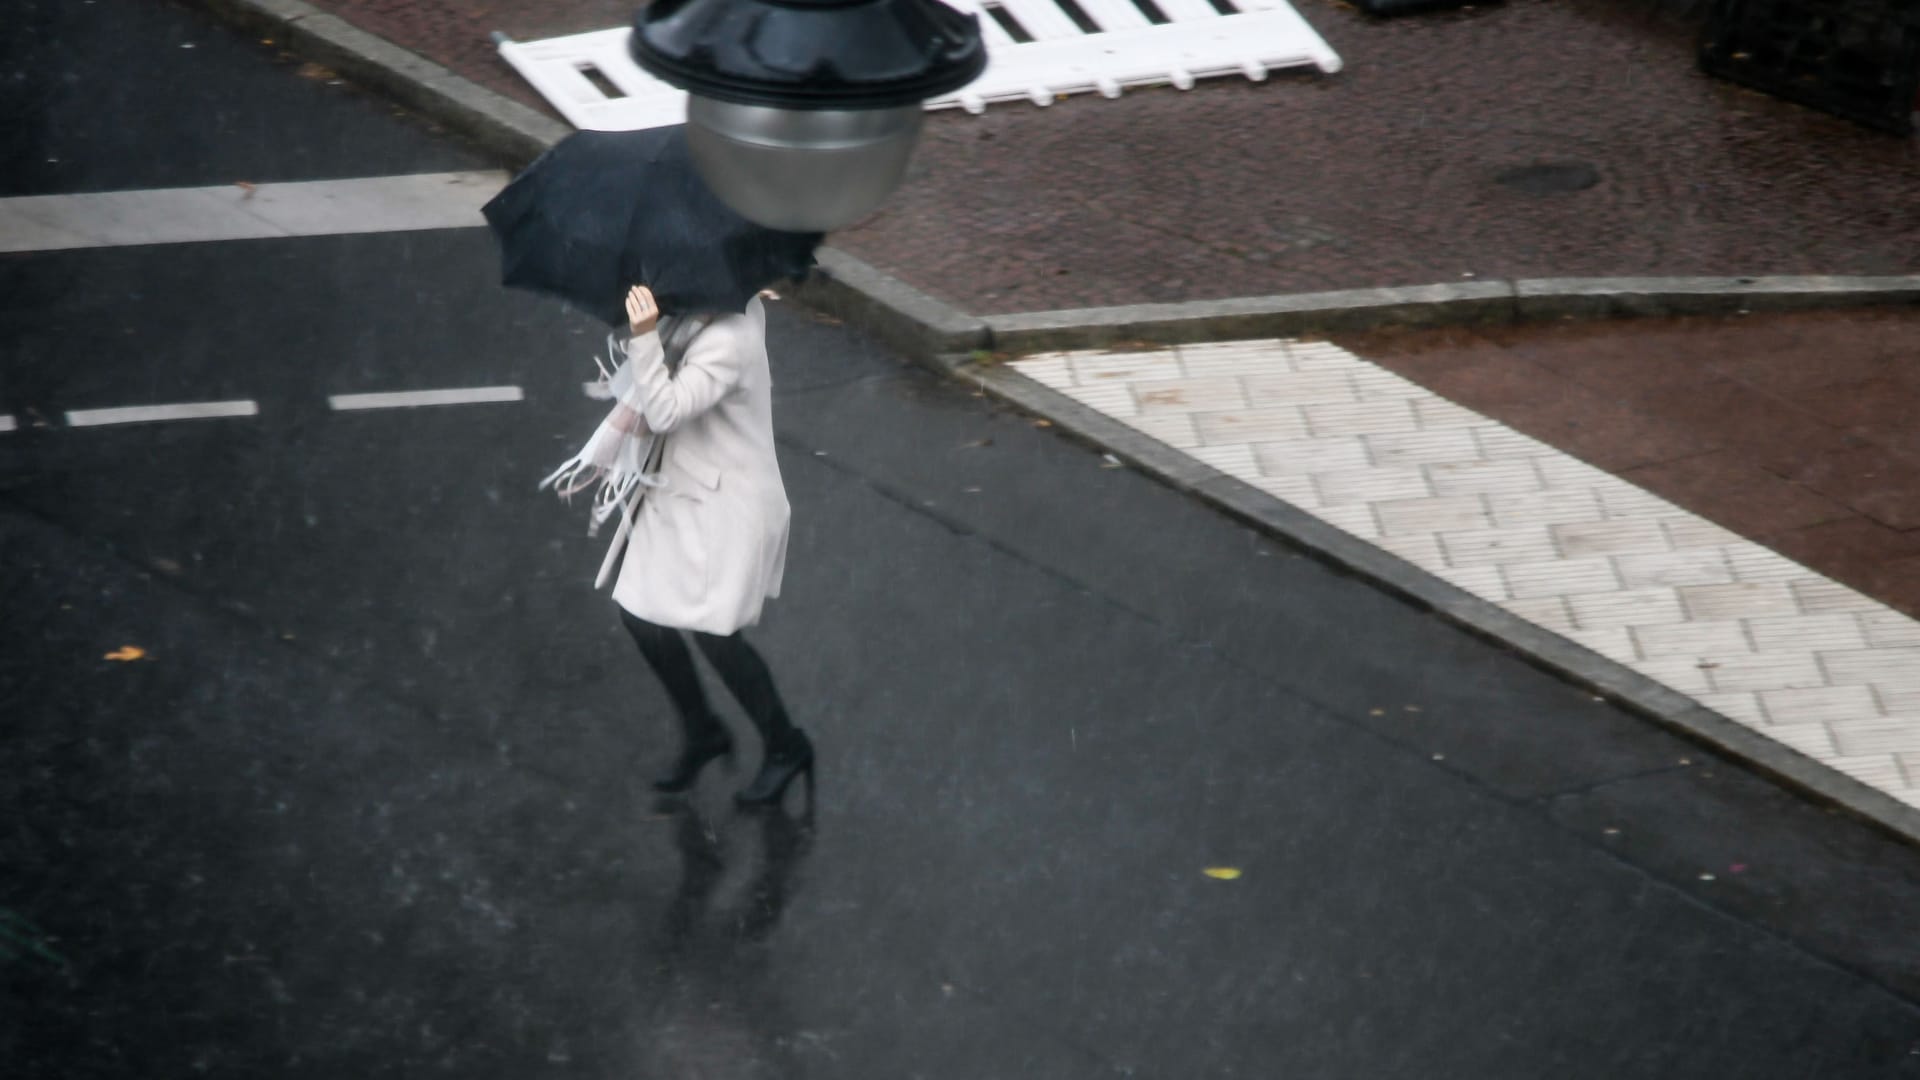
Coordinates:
(615,460)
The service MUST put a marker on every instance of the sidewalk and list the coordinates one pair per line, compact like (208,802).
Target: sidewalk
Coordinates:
(1416,164)
(1710,618)
(1795,431)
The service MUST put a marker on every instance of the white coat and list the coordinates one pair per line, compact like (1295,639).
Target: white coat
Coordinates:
(708,546)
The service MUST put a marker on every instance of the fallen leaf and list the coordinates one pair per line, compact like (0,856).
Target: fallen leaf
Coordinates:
(1737,868)
(246,187)
(1376,712)
(312,70)
(1411,708)
(1222,873)
(1108,461)
(126,653)
(1043,423)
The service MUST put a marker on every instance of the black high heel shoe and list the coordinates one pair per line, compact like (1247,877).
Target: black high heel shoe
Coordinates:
(693,757)
(777,771)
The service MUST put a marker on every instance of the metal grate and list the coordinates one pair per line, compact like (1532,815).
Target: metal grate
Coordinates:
(1859,59)
(1037,50)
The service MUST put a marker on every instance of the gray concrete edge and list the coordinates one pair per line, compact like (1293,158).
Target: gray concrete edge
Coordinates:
(941,336)
(497,124)
(1567,659)
(1465,303)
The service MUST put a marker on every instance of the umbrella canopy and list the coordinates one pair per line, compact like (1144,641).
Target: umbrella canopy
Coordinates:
(602,211)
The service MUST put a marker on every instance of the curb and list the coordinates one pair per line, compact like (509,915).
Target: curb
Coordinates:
(891,310)
(1468,303)
(938,335)
(499,124)
(1568,660)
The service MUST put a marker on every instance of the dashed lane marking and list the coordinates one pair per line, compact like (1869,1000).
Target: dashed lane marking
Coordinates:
(6,422)
(412,398)
(144,414)
(202,410)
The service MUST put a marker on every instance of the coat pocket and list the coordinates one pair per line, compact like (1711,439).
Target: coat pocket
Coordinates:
(671,558)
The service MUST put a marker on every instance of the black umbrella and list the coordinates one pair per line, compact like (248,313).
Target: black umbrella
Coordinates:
(602,211)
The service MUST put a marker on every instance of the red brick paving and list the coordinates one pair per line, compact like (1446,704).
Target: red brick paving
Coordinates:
(1382,174)
(1795,431)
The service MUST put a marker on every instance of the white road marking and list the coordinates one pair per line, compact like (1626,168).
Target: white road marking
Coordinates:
(6,422)
(247,211)
(143,414)
(410,398)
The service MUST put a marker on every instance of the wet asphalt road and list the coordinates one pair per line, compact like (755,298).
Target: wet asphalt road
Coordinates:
(372,803)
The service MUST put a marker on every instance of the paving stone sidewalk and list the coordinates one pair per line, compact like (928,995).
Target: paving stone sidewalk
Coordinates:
(1796,431)
(1737,627)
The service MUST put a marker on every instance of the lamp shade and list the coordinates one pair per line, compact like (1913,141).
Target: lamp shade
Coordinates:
(804,113)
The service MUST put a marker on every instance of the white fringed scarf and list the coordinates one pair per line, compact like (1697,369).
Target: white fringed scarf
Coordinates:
(623,455)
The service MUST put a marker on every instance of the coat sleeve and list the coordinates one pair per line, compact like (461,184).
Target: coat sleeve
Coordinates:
(709,370)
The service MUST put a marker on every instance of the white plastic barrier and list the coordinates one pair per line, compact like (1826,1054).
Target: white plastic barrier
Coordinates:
(1125,48)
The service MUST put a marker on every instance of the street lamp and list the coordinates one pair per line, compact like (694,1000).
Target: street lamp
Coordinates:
(802,113)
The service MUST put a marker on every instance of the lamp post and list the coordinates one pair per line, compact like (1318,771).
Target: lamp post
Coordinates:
(803,113)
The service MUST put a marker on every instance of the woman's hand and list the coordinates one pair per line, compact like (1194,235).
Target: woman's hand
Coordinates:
(642,313)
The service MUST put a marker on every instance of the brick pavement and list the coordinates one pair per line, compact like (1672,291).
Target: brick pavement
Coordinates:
(1796,431)
(1420,162)
(1742,629)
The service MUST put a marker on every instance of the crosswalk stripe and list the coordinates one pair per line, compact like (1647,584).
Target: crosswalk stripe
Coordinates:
(246,211)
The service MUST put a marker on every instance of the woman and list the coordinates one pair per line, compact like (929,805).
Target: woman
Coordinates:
(707,545)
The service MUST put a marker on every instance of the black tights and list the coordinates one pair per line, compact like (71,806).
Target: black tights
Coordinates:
(740,667)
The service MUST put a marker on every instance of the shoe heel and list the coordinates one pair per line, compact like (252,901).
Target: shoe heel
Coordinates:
(769,788)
